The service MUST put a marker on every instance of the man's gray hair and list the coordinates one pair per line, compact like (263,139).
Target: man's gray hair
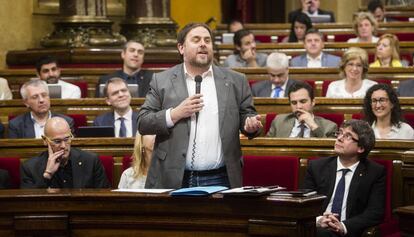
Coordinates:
(33,82)
(277,61)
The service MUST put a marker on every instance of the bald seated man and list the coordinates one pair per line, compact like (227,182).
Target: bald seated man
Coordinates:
(62,166)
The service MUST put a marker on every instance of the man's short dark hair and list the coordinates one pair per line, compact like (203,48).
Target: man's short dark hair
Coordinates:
(45,60)
(366,136)
(238,36)
(301,85)
(112,80)
(187,28)
(373,5)
(314,31)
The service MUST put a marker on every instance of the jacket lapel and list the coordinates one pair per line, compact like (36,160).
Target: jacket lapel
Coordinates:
(134,123)
(28,131)
(329,178)
(360,172)
(222,89)
(77,169)
(179,86)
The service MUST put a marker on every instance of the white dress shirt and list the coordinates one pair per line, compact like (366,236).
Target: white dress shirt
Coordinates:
(38,127)
(208,151)
(282,91)
(337,89)
(127,121)
(296,130)
(314,62)
(405,131)
(69,91)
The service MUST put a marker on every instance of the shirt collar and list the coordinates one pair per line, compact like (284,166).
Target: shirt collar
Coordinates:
(34,120)
(339,166)
(283,86)
(207,73)
(318,58)
(297,123)
(127,116)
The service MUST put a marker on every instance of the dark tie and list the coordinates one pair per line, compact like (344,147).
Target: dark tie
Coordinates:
(122,128)
(302,130)
(277,90)
(339,195)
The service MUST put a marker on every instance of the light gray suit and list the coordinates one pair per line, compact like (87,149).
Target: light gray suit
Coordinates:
(264,88)
(283,124)
(167,90)
(327,60)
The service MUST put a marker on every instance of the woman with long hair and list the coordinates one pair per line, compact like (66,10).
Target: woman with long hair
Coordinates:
(299,26)
(387,53)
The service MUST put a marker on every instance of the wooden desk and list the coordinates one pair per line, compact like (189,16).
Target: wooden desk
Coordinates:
(406,220)
(104,213)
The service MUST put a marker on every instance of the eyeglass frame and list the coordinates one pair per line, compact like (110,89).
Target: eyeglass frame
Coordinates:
(347,136)
(66,140)
(381,100)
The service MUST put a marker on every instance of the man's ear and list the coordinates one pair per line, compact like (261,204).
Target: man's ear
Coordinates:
(123,54)
(180,48)
(25,103)
(44,140)
(360,150)
(108,102)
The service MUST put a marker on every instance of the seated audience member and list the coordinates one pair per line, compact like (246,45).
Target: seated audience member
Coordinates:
(48,70)
(406,88)
(353,184)
(136,175)
(298,28)
(277,65)
(234,26)
(383,112)
(62,166)
(376,8)
(314,56)
(245,54)
(5,181)
(133,57)
(310,7)
(35,95)
(365,27)
(1,130)
(354,67)
(5,92)
(122,118)
(301,122)
(387,53)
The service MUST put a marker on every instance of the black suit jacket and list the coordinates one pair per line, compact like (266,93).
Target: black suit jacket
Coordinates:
(292,15)
(142,78)
(366,197)
(87,171)
(108,119)
(23,127)
(5,181)
(1,130)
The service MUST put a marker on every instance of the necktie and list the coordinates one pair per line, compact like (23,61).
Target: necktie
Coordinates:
(277,90)
(122,128)
(339,195)
(302,130)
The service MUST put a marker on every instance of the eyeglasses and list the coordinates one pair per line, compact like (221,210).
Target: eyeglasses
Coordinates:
(347,136)
(357,65)
(381,100)
(56,142)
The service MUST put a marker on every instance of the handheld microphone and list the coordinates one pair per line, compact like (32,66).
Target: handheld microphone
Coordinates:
(198,80)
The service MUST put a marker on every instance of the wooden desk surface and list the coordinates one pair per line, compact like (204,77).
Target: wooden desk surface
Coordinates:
(406,220)
(79,213)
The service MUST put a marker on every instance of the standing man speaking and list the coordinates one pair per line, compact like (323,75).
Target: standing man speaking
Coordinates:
(197,129)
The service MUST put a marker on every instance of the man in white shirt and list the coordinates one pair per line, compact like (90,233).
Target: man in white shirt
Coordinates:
(314,56)
(122,118)
(197,142)
(48,70)
(279,83)
(353,184)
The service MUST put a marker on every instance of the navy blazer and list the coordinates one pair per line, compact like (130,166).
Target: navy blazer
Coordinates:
(22,126)
(87,171)
(366,197)
(327,60)
(142,78)
(108,119)
(264,88)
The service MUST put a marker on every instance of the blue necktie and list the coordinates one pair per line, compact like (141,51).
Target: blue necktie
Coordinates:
(277,90)
(122,128)
(339,195)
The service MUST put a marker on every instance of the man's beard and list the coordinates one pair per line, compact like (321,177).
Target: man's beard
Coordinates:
(52,80)
(201,63)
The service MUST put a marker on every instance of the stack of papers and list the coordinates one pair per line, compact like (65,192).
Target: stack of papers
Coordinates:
(197,191)
(252,190)
(297,193)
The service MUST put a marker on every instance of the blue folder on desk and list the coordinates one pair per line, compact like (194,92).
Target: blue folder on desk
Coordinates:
(198,191)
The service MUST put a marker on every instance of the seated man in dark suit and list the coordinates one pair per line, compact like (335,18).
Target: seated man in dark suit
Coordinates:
(310,7)
(4,179)
(277,65)
(123,118)
(301,122)
(133,57)
(35,94)
(1,130)
(354,185)
(62,166)
(314,56)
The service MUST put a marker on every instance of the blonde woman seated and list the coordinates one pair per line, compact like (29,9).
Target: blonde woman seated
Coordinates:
(365,27)
(135,176)
(354,67)
(387,53)
(383,112)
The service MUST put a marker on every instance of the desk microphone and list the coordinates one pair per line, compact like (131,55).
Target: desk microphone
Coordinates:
(198,80)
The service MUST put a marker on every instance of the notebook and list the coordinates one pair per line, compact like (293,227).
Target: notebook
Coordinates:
(197,191)
(55,91)
(96,131)
(320,18)
(133,89)
(252,190)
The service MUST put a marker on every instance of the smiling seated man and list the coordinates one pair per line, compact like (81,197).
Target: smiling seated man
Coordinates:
(62,166)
